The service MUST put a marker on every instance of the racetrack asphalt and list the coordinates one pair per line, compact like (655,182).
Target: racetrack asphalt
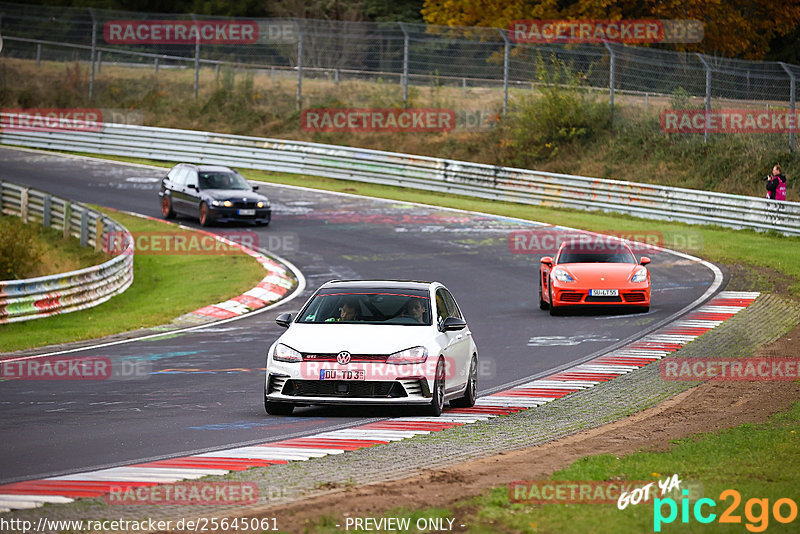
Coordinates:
(213,396)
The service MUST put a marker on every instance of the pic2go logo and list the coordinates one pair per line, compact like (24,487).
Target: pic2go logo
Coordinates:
(756,511)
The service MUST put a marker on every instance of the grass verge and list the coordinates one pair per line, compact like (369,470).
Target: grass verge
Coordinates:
(707,464)
(31,250)
(164,287)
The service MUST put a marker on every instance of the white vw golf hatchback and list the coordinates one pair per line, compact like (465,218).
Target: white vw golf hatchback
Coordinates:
(373,342)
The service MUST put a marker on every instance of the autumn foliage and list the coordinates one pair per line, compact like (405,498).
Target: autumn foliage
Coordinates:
(733,28)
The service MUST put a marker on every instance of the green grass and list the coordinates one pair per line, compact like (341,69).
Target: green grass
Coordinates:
(760,461)
(164,287)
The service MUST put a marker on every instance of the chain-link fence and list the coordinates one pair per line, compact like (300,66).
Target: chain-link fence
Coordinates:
(405,55)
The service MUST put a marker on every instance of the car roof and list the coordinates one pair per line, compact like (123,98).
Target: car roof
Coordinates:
(209,168)
(377,284)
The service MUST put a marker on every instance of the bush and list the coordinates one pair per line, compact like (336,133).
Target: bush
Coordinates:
(19,253)
(538,127)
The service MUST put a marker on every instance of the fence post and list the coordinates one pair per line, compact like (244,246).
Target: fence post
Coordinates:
(612,73)
(506,50)
(38,54)
(46,211)
(299,98)
(155,66)
(84,228)
(196,56)
(708,95)
(99,62)
(67,219)
(23,205)
(98,234)
(216,73)
(94,52)
(792,98)
(405,64)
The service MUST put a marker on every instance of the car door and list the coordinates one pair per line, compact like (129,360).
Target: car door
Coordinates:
(191,193)
(452,344)
(177,181)
(463,345)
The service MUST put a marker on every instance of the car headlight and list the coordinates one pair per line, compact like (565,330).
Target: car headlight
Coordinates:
(639,276)
(216,203)
(562,276)
(283,353)
(227,203)
(259,204)
(412,355)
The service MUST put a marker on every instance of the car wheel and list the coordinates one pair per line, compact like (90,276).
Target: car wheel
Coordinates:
(437,395)
(471,394)
(166,207)
(277,408)
(554,310)
(644,309)
(205,219)
(543,305)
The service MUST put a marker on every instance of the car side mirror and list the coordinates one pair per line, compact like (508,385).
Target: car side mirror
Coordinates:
(644,261)
(284,319)
(453,323)
(255,187)
(547,260)
(193,186)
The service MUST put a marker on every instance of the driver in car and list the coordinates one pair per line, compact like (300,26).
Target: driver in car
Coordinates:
(415,309)
(346,313)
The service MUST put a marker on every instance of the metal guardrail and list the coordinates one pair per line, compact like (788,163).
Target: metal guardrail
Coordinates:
(427,173)
(34,298)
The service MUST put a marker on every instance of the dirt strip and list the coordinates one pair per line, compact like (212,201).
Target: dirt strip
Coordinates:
(709,407)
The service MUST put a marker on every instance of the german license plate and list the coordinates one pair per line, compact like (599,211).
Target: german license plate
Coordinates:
(342,374)
(605,292)
(247,212)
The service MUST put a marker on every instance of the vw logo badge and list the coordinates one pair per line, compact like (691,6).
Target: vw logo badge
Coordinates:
(343,357)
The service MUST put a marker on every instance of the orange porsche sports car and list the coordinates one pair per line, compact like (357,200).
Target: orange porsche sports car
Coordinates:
(593,274)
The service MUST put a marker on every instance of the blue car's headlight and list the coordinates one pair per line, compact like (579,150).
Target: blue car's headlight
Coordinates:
(562,276)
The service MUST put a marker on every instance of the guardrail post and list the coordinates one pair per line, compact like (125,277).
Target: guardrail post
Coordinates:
(708,95)
(196,57)
(46,214)
(155,66)
(67,219)
(38,54)
(405,64)
(84,228)
(23,205)
(612,73)
(792,98)
(216,73)
(1,196)
(99,61)
(98,234)
(506,51)
(299,98)
(94,52)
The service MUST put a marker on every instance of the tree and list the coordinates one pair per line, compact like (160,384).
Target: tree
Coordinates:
(737,28)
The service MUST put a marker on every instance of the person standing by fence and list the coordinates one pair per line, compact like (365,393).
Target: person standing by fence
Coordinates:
(776,184)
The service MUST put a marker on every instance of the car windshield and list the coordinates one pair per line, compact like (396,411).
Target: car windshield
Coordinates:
(223,180)
(367,306)
(588,254)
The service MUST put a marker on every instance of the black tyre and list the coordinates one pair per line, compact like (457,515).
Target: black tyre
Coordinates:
(471,394)
(543,305)
(166,207)
(436,406)
(278,408)
(554,310)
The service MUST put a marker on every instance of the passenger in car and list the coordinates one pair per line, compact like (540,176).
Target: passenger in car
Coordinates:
(347,312)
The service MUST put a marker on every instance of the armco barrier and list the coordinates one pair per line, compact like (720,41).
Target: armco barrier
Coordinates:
(33,298)
(421,172)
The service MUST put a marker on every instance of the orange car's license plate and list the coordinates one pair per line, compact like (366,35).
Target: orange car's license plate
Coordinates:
(340,374)
(605,292)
